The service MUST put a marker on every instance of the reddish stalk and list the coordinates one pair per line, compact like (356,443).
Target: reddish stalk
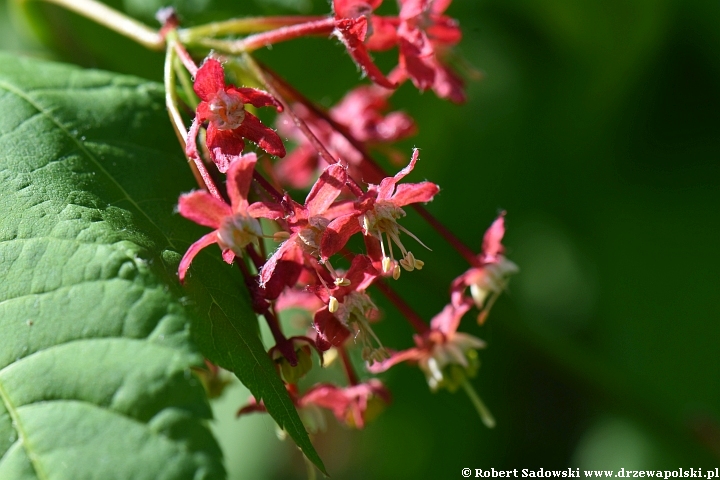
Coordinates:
(412,317)
(283,34)
(267,186)
(347,365)
(244,25)
(186,58)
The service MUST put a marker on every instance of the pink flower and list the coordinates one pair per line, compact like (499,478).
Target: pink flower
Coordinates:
(306,224)
(352,27)
(489,276)
(424,34)
(235,225)
(381,33)
(376,213)
(354,405)
(446,357)
(223,107)
(347,307)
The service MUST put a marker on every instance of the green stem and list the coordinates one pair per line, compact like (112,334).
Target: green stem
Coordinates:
(186,84)
(481,408)
(170,93)
(239,26)
(171,102)
(114,20)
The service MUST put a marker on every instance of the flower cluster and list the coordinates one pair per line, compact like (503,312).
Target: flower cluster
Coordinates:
(351,205)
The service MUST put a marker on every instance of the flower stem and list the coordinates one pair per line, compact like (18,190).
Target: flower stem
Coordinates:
(260,40)
(186,84)
(202,176)
(482,410)
(347,365)
(112,19)
(237,26)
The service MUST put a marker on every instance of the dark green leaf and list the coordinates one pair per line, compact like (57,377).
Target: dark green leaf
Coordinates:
(95,346)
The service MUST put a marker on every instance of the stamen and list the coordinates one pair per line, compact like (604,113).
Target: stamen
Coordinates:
(387,265)
(396,272)
(342,282)
(333,305)
(413,236)
(482,410)
(408,263)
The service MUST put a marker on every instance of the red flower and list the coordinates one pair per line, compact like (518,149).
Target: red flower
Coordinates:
(424,34)
(446,357)
(489,275)
(223,107)
(235,225)
(347,306)
(376,214)
(306,224)
(352,27)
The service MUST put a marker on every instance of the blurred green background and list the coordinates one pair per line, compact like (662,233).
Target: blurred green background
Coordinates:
(597,127)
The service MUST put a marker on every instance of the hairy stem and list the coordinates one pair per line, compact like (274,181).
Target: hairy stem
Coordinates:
(199,171)
(239,26)
(260,40)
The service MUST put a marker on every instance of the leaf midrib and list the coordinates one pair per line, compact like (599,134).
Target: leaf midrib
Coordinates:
(39,471)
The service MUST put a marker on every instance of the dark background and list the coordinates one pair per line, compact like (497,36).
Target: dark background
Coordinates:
(596,127)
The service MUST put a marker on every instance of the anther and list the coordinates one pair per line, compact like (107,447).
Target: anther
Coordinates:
(333,305)
(342,282)
(396,272)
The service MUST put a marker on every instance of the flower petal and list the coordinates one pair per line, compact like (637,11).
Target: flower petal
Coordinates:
(352,33)
(203,208)
(409,355)
(265,137)
(387,186)
(448,320)
(330,332)
(337,234)
(492,246)
(187,259)
(326,189)
(224,145)
(408,193)
(256,97)
(273,211)
(384,34)
(209,79)
(239,178)
(268,270)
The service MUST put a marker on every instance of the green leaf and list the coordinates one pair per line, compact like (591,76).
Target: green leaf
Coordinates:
(95,331)
(95,350)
